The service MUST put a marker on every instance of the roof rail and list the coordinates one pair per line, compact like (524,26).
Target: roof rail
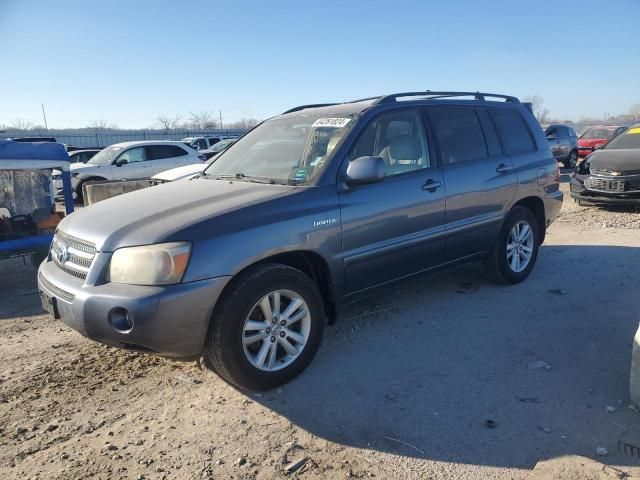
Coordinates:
(313,105)
(431,94)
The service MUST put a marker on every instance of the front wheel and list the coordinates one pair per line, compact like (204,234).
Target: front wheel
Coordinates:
(266,329)
(514,254)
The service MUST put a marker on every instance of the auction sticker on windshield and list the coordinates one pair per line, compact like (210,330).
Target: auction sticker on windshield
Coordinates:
(331,122)
(633,131)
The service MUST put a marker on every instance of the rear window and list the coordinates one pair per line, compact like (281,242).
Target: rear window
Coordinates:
(599,134)
(514,132)
(165,151)
(459,134)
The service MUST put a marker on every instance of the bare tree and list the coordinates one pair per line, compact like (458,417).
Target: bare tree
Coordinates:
(102,125)
(202,120)
(168,123)
(537,102)
(245,124)
(20,124)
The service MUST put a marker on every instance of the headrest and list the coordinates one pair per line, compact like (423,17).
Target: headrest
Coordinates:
(405,147)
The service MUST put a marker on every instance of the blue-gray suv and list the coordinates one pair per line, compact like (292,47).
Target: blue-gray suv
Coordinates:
(246,263)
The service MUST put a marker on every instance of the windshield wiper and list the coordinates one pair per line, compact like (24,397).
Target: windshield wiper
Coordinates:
(242,177)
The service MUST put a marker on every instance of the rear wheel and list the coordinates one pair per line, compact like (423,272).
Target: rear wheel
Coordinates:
(266,329)
(515,252)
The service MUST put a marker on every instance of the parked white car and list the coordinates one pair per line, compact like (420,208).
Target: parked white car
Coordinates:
(130,160)
(180,173)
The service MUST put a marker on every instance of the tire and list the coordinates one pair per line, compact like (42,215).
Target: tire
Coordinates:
(496,261)
(572,161)
(226,352)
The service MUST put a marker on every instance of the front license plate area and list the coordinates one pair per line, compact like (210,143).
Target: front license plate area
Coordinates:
(50,305)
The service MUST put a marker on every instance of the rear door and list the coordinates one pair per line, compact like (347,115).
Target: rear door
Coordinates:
(479,177)
(165,157)
(393,228)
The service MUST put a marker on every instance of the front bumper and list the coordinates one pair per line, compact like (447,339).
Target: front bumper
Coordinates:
(579,191)
(584,151)
(169,320)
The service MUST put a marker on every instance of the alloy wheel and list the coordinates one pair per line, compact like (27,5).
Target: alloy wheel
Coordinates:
(276,330)
(520,246)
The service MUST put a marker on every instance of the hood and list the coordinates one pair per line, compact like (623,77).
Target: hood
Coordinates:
(77,167)
(154,214)
(619,162)
(180,172)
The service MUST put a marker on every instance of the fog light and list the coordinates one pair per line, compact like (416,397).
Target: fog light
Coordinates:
(120,320)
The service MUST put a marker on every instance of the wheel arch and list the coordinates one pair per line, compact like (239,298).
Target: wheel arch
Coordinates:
(536,206)
(311,264)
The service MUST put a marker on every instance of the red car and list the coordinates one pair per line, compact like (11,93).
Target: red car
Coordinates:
(597,136)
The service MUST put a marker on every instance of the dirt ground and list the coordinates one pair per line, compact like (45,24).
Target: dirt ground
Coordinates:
(402,387)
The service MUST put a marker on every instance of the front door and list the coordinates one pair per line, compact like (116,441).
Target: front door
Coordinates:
(134,163)
(393,228)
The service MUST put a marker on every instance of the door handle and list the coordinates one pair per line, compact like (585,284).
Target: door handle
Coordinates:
(431,185)
(503,168)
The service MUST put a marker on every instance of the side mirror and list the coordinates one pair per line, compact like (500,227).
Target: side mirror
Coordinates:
(122,161)
(365,170)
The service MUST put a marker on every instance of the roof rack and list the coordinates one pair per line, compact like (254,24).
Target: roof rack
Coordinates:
(312,105)
(431,94)
(393,98)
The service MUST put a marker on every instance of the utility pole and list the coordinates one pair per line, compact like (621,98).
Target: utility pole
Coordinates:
(220,119)
(45,118)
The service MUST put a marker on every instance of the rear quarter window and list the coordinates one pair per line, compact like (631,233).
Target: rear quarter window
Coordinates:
(515,135)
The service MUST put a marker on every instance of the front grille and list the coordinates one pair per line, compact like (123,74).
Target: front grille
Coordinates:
(57,291)
(613,184)
(72,254)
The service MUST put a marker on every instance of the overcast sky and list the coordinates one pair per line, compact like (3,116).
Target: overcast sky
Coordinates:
(127,62)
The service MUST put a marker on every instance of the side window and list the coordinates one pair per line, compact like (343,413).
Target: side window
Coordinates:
(515,134)
(202,143)
(157,152)
(397,137)
(459,134)
(213,141)
(490,134)
(137,154)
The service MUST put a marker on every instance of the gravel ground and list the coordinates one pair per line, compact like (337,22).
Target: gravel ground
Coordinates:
(402,387)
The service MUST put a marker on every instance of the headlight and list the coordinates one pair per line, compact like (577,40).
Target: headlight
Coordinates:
(161,264)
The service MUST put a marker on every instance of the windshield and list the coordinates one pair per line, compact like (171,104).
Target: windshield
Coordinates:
(221,145)
(599,133)
(627,140)
(106,156)
(292,150)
